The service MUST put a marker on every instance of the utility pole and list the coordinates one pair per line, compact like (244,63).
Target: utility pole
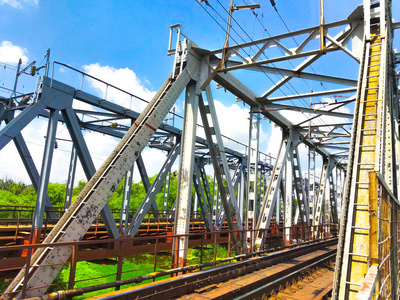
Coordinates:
(321,26)
(230,12)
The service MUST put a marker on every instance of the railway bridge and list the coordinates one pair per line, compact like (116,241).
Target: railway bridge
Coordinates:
(267,227)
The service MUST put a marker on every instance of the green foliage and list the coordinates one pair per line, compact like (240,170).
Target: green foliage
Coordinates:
(56,192)
(25,198)
(12,187)
(79,188)
(21,195)
(208,253)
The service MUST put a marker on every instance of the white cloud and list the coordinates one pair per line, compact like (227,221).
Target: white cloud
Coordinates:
(274,141)
(10,53)
(153,160)
(20,3)
(12,166)
(100,145)
(124,79)
(234,123)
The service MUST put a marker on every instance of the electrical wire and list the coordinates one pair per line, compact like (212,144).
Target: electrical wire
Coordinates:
(287,28)
(248,54)
(283,52)
(273,3)
(12,67)
(263,52)
(250,46)
(284,23)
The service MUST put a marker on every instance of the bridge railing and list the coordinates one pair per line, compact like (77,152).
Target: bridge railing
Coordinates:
(88,83)
(384,239)
(119,258)
(368,286)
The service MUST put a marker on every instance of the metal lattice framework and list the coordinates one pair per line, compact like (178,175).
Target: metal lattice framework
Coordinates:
(359,134)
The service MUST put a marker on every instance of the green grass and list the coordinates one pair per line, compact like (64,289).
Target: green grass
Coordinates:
(91,273)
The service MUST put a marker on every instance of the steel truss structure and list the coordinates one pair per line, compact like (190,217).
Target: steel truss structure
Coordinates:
(358,134)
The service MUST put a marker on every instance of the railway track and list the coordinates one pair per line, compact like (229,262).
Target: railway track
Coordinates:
(304,270)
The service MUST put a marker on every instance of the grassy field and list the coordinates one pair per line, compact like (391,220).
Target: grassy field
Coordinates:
(104,271)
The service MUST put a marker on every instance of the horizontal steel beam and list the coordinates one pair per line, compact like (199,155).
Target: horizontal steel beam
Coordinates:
(240,90)
(214,61)
(312,94)
(306,110)
(282,36)
(283,58)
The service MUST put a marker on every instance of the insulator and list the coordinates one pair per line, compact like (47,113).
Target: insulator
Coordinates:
(113,125)
(26,99)
(33,70)
(55,145)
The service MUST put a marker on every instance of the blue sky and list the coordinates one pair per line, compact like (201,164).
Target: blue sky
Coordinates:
(126,42)
(134,34)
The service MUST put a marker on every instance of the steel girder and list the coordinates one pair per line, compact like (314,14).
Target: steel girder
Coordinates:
(221,169)
(79,217)
(370,193)
(184,191)
(252,170)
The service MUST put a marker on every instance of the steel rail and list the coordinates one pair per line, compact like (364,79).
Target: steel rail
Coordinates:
(172,287)
(292,274)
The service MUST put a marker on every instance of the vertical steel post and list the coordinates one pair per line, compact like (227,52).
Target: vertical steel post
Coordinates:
(321,26)
(311,182)
(271,195)
(166,194)
(155,256)
(327,203)
(288,215)
(252,169)
(27,268)
(44,175)
(126,199)
(71,178)
(72,271)
(221,168)
(373,218)
(278,206)
(195,205)
(241,190)
(184,191)
(10,102)
(215,202)
(47,63)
